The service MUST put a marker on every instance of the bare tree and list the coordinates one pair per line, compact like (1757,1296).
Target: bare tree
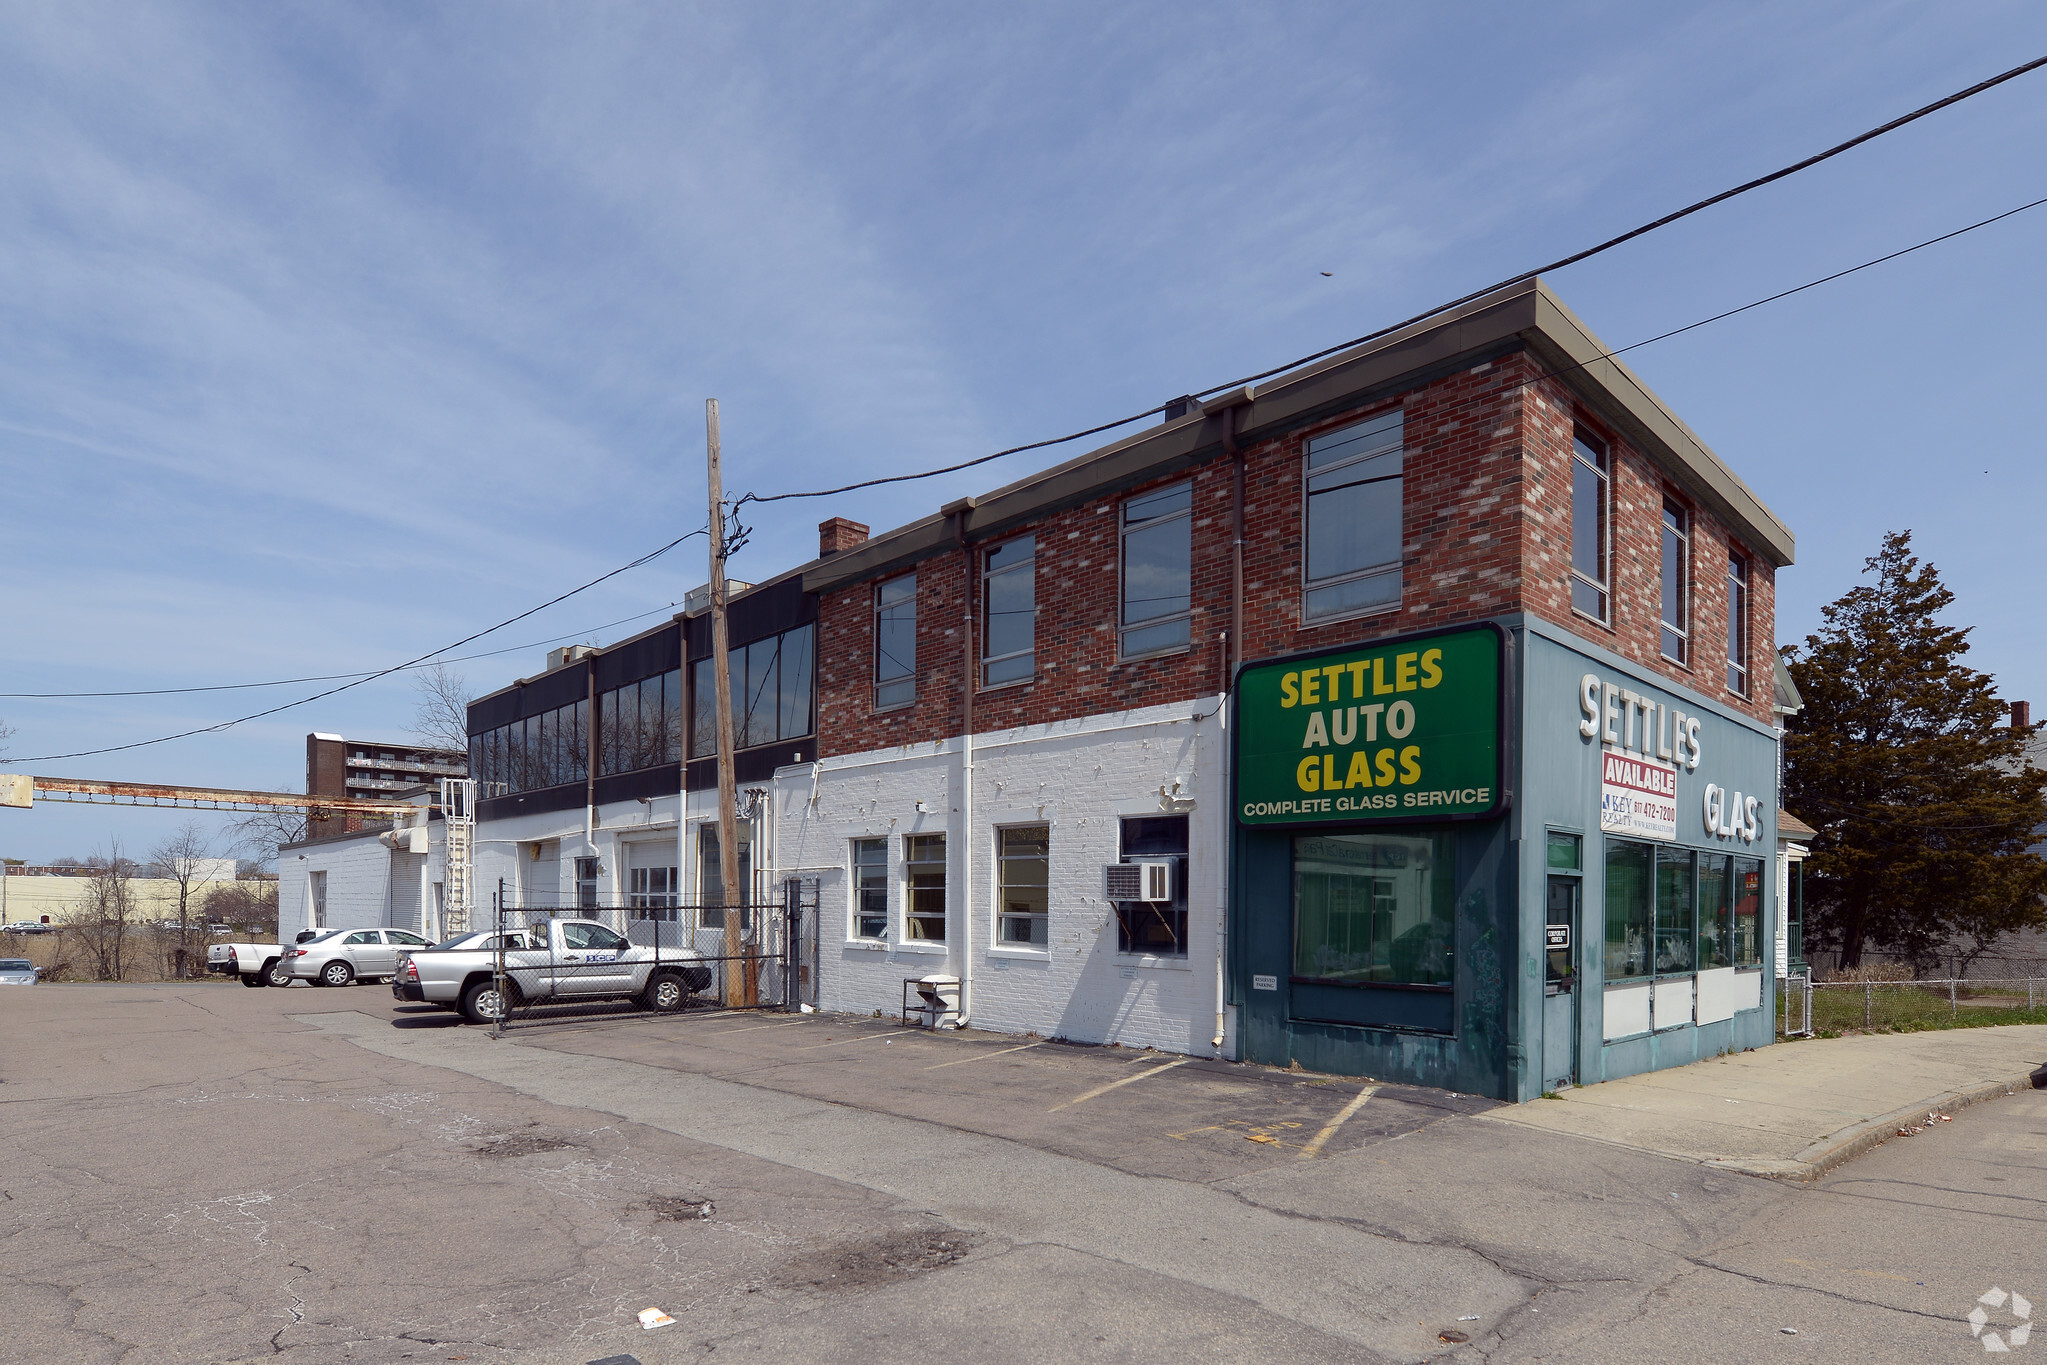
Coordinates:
(179,859)
(441,718)
(257,835)
(250,904)
(102,922)
(6,733)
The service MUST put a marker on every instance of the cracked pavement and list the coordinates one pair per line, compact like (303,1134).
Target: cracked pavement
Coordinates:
(202,1173)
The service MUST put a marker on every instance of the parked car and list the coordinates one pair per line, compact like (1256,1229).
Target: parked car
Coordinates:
(572,960)
(405,985)
(341,957)
(257,964)
(28,926)
(19,971)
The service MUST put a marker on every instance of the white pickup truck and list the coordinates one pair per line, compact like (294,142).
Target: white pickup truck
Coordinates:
(562,961)
(257,964)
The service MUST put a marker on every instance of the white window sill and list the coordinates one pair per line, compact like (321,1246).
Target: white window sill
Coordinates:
(1005,686)
(1146,960)
(1025,954)
(867,945)
(922,945)
(1606,626)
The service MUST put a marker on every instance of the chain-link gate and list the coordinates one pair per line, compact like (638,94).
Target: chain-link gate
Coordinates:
(799,894)
(553,962)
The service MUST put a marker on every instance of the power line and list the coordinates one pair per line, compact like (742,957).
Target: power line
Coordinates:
(381,673)
(1589,252)
(327,677)
(1800,289)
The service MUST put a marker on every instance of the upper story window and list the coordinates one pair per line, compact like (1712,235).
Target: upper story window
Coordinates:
(772,681)
(640,724)
(1009,595)
(1158,568)
(1591,497)
(1677,583)
(1737,625)
(1352,559)
(546,750)
(895,642)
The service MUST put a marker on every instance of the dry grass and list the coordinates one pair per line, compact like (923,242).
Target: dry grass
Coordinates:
(147,953)
(1872,971)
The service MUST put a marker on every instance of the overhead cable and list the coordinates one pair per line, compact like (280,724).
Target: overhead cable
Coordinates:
(1575,257)
(371,677)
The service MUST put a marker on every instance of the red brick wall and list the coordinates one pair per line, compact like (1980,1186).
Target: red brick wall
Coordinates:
(1485,530)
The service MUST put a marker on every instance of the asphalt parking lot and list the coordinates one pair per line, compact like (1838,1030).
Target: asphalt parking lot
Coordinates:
(202,1173)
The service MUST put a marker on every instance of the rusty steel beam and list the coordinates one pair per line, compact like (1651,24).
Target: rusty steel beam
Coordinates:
(92,791)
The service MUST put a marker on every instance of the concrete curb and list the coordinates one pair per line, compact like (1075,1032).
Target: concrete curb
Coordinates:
(1835,1149)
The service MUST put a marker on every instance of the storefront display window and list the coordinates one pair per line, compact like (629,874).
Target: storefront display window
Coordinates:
(1748,912)
(1676,920)
(1716,930)
(1630,871)
(1373,909)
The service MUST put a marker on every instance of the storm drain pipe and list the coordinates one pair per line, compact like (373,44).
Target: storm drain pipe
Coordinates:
(1224,407)
(957,513)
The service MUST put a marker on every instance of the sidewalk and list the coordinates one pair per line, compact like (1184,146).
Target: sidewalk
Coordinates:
(1793,1110)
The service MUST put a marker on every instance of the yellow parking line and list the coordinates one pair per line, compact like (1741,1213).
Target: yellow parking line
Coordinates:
(868,1038)
(1357,1102)
(1127,1080)
(984,1056)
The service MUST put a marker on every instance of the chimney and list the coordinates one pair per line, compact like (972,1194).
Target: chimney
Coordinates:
(838,534)
(2022,715)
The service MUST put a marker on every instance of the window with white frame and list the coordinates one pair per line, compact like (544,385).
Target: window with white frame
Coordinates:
(586,883)
(316,883)
(1158,570)
(1352,558)
(1677,583)
(870,888)
(1009,598)
(1591,496)
(924,882)
(652,892)
(895,642)
(1023,879)
(1737,624)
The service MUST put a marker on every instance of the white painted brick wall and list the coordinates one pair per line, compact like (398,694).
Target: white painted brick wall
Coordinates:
(1080,777)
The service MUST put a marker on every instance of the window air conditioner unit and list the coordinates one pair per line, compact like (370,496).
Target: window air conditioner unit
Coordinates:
(1144,881)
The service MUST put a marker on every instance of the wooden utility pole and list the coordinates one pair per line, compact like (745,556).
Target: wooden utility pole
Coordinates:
(732,989)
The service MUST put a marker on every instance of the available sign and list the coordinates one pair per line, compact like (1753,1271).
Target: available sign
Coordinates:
(1637,796)
(1404,730)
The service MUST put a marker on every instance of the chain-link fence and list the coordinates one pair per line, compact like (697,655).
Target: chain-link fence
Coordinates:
(1837,1006)
(553,962)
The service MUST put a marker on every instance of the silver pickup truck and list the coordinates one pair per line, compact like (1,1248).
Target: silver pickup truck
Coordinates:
(563,961)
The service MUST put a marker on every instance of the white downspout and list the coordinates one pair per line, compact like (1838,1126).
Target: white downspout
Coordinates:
(967,875)
(1222,899)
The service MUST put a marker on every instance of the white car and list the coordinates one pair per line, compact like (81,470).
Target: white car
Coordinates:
(341,957)
(18,971)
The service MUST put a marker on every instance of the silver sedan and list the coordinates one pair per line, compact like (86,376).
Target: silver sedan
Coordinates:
(18,971)
(341,957)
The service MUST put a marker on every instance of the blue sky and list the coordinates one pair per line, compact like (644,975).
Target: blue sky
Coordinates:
(329,334)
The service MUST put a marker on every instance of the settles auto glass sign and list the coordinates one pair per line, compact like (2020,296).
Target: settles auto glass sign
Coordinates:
(1397,731)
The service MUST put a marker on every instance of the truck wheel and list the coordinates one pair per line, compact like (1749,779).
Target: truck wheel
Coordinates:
(251,978)
(484,1003)
(336,973)
(275,973)
(665,993)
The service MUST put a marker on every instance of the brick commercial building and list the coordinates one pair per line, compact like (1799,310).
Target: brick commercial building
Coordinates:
(1408,715)
(1489,808)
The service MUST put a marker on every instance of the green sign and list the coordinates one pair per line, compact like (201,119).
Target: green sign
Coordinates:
(1405,730)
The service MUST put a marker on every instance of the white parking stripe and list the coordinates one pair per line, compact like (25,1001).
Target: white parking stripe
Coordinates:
(984,1056)
(1127,1080)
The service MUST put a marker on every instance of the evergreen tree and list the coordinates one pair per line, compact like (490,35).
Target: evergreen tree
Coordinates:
(1905,761)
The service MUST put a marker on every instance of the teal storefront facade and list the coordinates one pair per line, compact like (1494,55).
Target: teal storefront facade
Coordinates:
(1600,907)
